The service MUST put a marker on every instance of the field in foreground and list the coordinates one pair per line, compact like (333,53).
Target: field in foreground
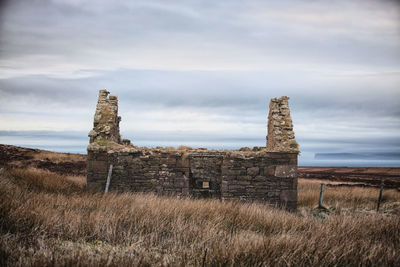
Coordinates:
(47,219)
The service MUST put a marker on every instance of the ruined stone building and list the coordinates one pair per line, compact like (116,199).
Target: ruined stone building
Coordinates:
(267,174)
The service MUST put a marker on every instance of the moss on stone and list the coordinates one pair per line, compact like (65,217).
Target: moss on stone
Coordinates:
(101,142)
(105,116)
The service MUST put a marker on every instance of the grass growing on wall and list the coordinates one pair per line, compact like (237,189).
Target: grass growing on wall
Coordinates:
(48,219)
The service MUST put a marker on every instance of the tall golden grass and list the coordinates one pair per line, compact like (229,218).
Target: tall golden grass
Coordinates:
(51,221)
(354,199)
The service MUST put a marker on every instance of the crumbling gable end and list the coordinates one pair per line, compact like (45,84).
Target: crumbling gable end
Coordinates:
(280,136)
(106,120)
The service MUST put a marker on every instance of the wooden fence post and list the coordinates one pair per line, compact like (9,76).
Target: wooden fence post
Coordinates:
(204,258)
(321,195)
(108,178)
(380,196)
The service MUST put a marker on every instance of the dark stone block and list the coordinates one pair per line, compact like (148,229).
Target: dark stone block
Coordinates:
(286,171)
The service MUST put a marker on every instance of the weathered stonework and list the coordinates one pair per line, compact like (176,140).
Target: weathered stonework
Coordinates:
(262,174)
(280,128)
(106,120)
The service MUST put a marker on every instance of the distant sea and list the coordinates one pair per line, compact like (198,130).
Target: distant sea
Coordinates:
(368,159)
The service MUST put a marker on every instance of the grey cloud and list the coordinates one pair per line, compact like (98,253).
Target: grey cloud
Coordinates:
(76,29)
(361,143)
(41,89)
(235,92)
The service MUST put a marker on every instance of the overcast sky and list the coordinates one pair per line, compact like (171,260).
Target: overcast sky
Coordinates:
(201,73)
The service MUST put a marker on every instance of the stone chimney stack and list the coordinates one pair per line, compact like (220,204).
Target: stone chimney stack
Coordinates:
(280,136)
(106,119)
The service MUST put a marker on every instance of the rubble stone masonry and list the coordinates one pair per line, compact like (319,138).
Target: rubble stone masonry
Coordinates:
(280,127)
(106,119)
(267,175)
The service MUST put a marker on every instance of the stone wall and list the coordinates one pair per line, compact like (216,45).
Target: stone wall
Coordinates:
(244,175)
(262,174)
(205,173)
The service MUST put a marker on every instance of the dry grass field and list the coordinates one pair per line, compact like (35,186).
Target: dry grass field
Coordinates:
(48,219)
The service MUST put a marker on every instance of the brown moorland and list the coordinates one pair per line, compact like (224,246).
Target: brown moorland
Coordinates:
(361,176)
(22,157)
(47,219)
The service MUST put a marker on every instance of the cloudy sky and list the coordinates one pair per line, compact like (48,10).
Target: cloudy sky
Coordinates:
(201,73)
